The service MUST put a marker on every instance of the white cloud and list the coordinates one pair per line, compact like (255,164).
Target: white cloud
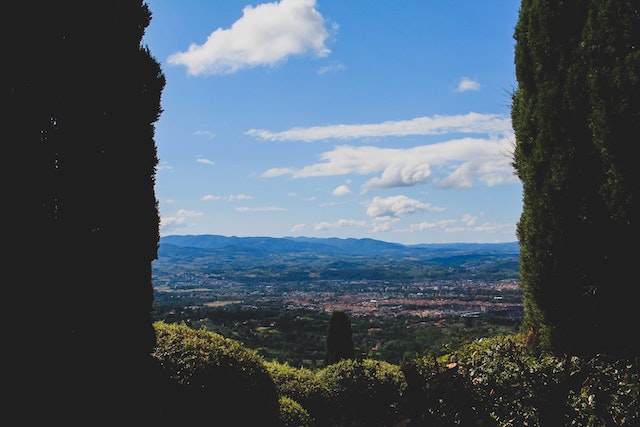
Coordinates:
(321,226)
(239,196)
(204,161)
(469,220)
(181,219)
(434,125)
(341,190)
(451,164)
(260,209)
(265,35)
(206,133)
(422,226)
(396,207)
(383,223)
(230,197)
(278,172)
(467,223)
(298,228)
(164,166)
(331,68)
(466,84)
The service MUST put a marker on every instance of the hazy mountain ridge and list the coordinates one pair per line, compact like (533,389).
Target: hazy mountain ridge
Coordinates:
(326,247)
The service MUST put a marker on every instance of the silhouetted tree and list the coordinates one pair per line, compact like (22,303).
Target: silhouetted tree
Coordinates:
(339,340)
(80,96)
(575,112)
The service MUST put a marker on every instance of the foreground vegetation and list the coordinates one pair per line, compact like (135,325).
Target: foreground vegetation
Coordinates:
(297,336)
(500,381)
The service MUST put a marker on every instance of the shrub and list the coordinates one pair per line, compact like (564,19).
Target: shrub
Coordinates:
(303,386)
(363,392)
(507,381)
(292,414)
(218,379)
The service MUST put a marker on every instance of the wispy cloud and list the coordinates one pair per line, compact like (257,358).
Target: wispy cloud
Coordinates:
(321,226)
(466,84)
(331,68)
(265,35)
(229,198)
(298,228)
(164,166)
(467,223)
(204,161)
(260,209)
(206,133)
(456,163)
(169,224)
(434,125)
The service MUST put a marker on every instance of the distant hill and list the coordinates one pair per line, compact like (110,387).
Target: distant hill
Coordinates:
(328,247)
(297,259)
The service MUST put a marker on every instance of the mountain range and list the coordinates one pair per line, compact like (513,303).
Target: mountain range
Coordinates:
(325,247)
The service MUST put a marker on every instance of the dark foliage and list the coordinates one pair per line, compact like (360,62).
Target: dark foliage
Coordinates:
(339,340)
(217,380)
(575,108)
(80,96)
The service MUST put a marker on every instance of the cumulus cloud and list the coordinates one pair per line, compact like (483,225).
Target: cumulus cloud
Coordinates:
(451,164)
(341,190)
(265,35)
(169,224)
(466,84)
(383,223)
(433,125)
(397,206)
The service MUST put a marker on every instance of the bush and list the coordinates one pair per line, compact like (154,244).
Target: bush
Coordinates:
(218,380)
(303,386)
(507,381)
(292,414)
(363,392)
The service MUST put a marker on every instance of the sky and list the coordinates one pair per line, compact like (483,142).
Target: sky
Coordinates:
(337,118)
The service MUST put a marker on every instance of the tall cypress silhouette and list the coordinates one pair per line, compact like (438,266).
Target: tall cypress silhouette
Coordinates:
(339,340)
(81,95)
(575,108)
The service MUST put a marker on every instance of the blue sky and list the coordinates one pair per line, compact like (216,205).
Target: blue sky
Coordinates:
(332,118)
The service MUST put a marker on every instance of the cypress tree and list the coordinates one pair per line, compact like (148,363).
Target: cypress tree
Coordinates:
(578,95)
(81,97)
(339,340)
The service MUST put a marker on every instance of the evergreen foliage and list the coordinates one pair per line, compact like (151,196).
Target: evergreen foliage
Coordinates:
(304,387)
(218,379)
(575,108)
(499,381)
(80,97)
(339,339)
(364,392)
(292,414)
